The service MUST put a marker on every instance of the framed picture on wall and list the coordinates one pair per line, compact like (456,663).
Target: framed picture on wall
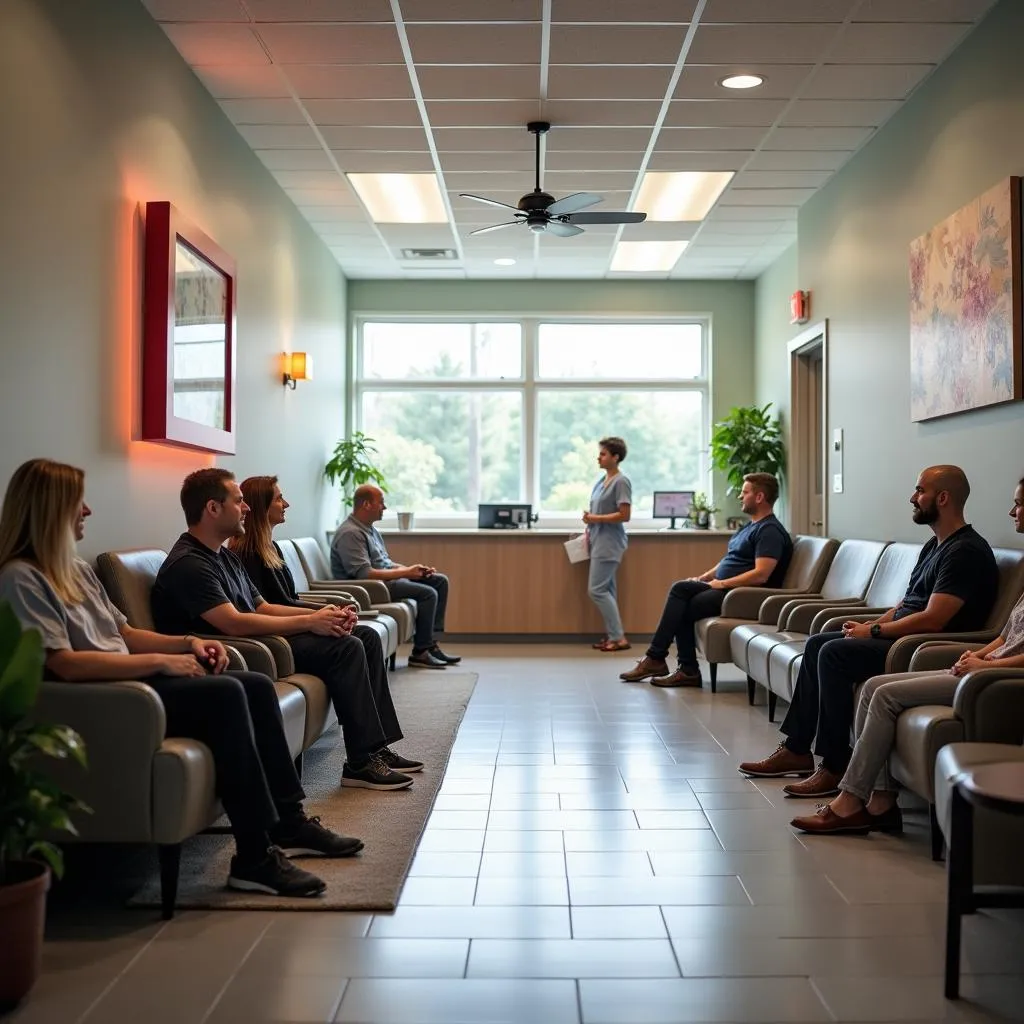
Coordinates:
(965,307)
(188,355)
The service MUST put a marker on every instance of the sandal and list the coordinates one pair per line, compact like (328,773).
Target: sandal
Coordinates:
(615,645)
(599,646)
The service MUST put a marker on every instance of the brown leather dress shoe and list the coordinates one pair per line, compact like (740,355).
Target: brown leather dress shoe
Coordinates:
(827,822)
(821,783)
(782,762)
(679,678)
(646,668)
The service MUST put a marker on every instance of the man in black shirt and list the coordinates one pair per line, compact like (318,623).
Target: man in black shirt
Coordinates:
(202,587)
(952,588)
(758,556)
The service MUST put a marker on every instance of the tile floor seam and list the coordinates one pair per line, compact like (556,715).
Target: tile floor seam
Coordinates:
(231,977)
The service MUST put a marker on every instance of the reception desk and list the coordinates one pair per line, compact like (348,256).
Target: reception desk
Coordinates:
(520,582)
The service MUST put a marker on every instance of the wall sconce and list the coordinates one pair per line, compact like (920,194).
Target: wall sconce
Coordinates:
(297,366)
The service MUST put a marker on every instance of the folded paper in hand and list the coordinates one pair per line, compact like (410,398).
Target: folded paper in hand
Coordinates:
(577,549)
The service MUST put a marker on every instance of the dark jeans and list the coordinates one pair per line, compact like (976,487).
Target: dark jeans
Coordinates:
(687,601)
(239,718)
(431,596)
(361,696)
(823,699)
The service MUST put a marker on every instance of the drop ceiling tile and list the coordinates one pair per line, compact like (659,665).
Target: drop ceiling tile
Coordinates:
(478,140)
(294,159)
(566,138)
(457,82)
(573,161)
(616,44)
(698,161)
(668,11)
(864,81)
(781,81)
(779,11)
(216,44)
(817,138)
(475,44)
(781,179)
(623,82)
(242,81)
(799,160)
(484,113)
(660,231)
(332,215)
(319,10)
(364,113)
(332,44)
(337,196)
(363,161)
(722,139)
(723,113)
(309,179)
(922,10)
(558,182)
(408,139)
(840,113)
(455,163)
(470,10)
(766,196)
(488,184)
(765,44)
(596,113)
(919,43)
(714,227)
(279,136)
(433,236)
(754,213)
(349,81)
(263,111)
(195,10)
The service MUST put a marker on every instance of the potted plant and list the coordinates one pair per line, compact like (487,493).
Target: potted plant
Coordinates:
(748,440)
(701,511)
(352,464)
(31,807)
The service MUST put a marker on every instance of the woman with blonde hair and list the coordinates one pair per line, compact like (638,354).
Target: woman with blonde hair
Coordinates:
(88,639)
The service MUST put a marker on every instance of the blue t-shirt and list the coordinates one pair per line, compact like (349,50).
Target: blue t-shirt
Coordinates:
(767,538)
(608,540)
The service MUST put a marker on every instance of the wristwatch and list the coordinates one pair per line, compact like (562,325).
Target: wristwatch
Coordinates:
(876,630)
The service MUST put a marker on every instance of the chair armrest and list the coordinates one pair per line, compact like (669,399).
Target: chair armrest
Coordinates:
(320,598)
(745,602)
(376,590)
(255,654)
(991,704)
(902,652)
(235,659)
(825,621)
(798,614)
(773,606)
(937,655)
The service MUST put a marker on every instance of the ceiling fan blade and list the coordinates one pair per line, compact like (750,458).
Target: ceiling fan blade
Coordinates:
(561,228)
(494,227)
(577,201)
(607,217)
(490,202)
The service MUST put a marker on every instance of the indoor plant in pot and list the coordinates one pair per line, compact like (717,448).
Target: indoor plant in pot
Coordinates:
(748,440)
(31,807)
(701,511)
(352,464)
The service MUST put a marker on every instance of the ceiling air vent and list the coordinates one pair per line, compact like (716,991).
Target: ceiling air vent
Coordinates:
(431,255)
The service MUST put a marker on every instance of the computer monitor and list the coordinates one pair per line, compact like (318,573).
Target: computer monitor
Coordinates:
(672,505)
(504,517)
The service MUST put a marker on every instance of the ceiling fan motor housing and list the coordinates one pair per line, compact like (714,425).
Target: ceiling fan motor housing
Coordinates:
(536,201)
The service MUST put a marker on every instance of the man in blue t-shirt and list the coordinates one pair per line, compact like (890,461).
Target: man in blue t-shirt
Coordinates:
(757,556)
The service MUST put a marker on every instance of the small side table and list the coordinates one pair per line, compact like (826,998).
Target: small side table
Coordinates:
(997,787)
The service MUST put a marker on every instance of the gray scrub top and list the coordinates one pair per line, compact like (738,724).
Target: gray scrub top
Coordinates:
(608,540)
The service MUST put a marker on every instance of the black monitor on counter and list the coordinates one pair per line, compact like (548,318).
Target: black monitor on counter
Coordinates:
(504,517)
(672,505)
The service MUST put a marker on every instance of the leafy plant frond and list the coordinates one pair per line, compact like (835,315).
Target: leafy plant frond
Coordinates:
(352,464)
(748,440)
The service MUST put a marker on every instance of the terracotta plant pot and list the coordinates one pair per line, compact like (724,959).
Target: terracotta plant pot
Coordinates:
(22,916)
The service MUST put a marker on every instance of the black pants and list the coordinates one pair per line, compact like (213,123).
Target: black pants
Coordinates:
(823,699)
(687,601)
(431,596)
(361,697)
(239,718)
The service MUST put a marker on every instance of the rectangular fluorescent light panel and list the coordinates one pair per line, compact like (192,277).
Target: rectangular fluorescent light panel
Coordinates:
(680,195)
(401,198)
(641,257)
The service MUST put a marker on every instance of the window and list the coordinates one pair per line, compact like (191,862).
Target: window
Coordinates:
(465,412)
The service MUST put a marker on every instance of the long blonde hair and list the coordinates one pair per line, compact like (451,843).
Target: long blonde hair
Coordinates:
(42,503)
(257,541)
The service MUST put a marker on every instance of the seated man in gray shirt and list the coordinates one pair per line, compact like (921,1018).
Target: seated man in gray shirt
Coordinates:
(358,553)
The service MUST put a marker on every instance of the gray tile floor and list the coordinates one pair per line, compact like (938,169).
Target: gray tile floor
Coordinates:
(593,858)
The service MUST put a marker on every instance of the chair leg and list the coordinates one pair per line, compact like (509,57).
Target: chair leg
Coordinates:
(938,840)
(714,676)
(751,690)
(772,698)
(392,662)
(170,865)
(298,765)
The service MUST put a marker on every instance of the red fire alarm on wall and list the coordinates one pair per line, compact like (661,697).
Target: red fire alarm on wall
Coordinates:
(799,307)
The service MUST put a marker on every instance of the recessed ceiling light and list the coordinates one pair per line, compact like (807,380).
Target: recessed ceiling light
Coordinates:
(647,257)
(401,198)
(680,195)
(742,81)
(505,261)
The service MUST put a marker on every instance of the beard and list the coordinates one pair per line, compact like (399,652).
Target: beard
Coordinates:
(925,516)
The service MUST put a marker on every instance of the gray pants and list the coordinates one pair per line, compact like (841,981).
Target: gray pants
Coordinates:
(603,593)
(882,700)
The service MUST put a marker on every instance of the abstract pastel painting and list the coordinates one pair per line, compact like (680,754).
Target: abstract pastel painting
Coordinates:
(965,307)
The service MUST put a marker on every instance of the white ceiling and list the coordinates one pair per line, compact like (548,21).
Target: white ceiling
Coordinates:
(321,87)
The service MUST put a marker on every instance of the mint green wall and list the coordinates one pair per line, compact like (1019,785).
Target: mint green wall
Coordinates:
(729,304)
(773,331)
(960,134)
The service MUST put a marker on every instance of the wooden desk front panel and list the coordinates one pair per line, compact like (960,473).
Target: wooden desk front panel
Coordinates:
(525,583)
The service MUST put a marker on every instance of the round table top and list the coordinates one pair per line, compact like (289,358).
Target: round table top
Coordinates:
(999,785)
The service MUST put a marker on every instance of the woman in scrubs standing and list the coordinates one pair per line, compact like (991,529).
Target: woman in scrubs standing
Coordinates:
(610,503)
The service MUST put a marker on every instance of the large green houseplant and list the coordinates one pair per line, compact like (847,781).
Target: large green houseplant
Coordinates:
(352,465)
(32,807)
(748,440)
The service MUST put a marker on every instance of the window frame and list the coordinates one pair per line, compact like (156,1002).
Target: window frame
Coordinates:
(530,385)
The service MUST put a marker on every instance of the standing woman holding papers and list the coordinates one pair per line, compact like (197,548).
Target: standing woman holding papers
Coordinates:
(610,504)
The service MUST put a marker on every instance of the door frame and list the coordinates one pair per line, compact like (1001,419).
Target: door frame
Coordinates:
(799,452)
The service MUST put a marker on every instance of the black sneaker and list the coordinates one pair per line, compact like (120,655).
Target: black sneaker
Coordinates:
(275,875)
(375,774)
(425,659)
(398,763)
(308,838)
(448,659)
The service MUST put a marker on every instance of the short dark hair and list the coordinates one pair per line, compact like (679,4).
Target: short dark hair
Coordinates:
(614,446)
(766,484)
(200,487)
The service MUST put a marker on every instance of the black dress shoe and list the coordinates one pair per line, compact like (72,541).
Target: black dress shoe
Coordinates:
(448,659)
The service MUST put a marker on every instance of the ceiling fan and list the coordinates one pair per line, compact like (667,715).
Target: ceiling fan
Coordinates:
(541,212)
